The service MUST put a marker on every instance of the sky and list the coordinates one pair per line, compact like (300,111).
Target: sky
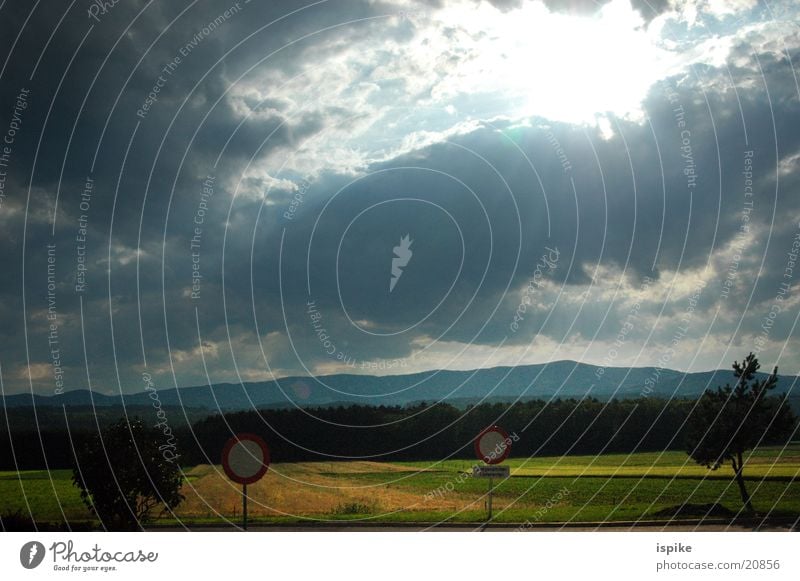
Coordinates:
(216,191)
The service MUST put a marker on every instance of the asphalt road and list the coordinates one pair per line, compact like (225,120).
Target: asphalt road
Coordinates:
(685,525)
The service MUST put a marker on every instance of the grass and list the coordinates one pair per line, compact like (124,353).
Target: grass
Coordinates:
(47,498)
(573,488)
(354,508)
(770,462)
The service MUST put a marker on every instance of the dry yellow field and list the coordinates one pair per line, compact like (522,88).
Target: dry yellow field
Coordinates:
(313,489)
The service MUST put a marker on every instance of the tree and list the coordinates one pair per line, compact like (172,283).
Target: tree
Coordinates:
(728,421)
(123,475)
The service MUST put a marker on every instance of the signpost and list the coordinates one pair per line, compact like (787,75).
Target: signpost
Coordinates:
(245,459)
(492,446)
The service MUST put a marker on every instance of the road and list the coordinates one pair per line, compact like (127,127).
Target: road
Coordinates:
(707,525)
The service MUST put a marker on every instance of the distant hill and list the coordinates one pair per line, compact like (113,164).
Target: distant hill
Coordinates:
(561,379)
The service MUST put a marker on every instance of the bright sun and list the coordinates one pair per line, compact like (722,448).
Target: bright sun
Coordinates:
(565,68)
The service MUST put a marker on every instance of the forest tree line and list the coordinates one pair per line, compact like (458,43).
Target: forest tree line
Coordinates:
(419,432)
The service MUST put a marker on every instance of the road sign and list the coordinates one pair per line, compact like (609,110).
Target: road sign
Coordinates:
(490,472)
(492,445)
(245,458)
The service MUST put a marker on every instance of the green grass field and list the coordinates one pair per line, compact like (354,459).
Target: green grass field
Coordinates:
(560,489)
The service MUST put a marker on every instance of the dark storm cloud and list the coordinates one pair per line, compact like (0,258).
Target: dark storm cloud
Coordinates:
(487,205)
(108,73)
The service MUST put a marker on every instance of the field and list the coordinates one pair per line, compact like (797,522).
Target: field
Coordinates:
(561,489)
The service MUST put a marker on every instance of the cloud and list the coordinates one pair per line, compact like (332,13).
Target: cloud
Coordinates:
(290,151)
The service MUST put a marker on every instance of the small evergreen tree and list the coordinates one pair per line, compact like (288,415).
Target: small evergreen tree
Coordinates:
(731,420)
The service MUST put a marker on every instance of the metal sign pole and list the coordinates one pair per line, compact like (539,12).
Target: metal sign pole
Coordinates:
(244,506)
(491,488)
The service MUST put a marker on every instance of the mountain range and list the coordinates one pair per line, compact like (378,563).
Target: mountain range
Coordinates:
(561,379)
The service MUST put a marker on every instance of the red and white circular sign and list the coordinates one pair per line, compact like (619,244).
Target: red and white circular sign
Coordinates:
(245,458)
(492,445)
